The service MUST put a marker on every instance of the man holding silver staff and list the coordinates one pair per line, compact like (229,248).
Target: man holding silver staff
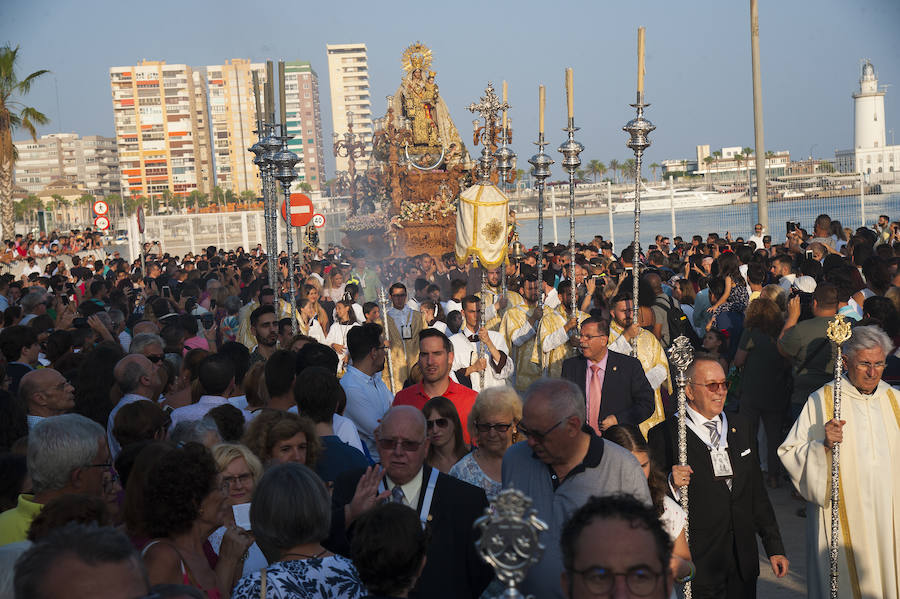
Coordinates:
(404,325)
(869,438)
(729,503)
(488,368)
(519,329)
(497,302)
(557,333)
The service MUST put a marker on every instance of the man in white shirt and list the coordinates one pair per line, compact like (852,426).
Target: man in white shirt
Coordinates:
(368,398)
(782,267)
(757,236)
(216,375)
(403,323)
(137,378)
(468,363)
(45,393)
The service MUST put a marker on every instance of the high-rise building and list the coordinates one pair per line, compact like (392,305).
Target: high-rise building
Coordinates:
(348,75)
(871,154)
(90,162)
(304,122)
(233,122)
(162,129)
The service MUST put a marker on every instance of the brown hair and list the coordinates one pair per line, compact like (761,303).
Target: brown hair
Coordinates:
(445,408)
(272,426)
(764,315)
(139,421)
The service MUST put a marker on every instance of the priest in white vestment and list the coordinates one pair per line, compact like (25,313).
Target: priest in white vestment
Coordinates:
(869,437)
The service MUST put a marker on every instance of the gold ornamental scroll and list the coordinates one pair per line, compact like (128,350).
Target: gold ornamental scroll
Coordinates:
(481,225)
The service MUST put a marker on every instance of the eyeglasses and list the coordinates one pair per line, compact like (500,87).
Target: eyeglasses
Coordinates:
(539,437)
(486,427)
(242,479)
(713,386)
(640,580)
(438,422)
(405,444)
(156,358)
(868,365)
(398,295)
(583,336)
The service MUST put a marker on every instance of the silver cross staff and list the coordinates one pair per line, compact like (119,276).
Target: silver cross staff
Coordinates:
(383,304)
(681,354)
(838,332)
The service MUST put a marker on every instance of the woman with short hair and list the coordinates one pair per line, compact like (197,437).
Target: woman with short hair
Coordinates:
(239,471)
(492,428)
(277,437)
(291,516)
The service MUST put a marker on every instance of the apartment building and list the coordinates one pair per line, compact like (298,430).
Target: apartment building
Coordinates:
(89,163)
(162,129)
(233,123)
(348,74)
(304,122)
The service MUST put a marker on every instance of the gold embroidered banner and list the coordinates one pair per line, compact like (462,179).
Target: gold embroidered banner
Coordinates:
(481,225)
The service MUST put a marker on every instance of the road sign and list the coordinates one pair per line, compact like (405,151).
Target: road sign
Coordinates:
(318,220)
(140,219)
(100,208)
(101,222)
(301,210)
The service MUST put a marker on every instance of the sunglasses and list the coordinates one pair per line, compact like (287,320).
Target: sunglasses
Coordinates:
(537,436)
(486,427)
(438,422)
(156,358)
(714,386)
(405,444)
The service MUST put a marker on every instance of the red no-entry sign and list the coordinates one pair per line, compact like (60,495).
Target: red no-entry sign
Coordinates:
(301,210)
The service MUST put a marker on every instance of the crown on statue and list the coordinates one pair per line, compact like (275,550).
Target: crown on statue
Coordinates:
(416,56)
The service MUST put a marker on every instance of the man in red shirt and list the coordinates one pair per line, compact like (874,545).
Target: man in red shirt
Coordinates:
(435,359)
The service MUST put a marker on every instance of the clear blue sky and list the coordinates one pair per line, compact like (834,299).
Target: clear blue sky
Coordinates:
(698,60)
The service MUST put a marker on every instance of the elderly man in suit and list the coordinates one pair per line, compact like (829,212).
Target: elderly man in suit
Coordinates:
(453,569)
(729,504)
(615,387)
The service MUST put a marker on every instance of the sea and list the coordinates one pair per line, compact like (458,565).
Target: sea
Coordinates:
(738,219)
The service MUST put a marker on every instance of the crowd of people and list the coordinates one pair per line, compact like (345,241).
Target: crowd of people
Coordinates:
(185,431)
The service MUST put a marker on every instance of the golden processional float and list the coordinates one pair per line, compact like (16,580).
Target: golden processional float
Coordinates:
(405,202)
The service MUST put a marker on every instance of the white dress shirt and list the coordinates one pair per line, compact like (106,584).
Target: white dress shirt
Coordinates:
(367,400)
(465,353)
(198,410)
(114,447)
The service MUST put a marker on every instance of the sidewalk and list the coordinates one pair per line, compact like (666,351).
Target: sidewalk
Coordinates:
(793,533)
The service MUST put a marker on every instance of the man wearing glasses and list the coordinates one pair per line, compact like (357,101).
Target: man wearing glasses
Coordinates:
(403,325)
(729,503)
(561,465)
(615,387)
(869,438)
(636,565)
(447,506)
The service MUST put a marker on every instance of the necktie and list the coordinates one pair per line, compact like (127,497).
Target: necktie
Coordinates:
(714,435)
(397,495)
(594,394)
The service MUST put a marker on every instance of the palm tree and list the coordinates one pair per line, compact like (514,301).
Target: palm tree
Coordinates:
(27,208)
(748,152)
(708,161)
(614,167)
(596,169)
(87,200)
(13,115)
(248,196)
(739,158)
(628,171)
(653,167)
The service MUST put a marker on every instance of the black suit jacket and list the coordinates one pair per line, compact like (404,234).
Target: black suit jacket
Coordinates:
(453,568)
(723,523)
(627,394)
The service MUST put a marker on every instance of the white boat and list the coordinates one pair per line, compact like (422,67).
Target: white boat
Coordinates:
(662,198)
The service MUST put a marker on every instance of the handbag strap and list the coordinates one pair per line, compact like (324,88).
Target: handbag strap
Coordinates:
(810,357)
(262,584)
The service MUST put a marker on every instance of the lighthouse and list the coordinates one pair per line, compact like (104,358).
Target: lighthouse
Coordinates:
(871,154)
(868,111)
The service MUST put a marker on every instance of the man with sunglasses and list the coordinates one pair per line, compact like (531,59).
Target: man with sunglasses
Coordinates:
(561,465)
(446,505)
(729,503)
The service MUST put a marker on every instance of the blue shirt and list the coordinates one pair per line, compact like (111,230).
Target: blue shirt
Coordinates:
(337,457)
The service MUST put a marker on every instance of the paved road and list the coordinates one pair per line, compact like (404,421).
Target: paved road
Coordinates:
(793,533)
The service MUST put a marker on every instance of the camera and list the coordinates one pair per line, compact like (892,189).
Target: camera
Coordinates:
(791,226)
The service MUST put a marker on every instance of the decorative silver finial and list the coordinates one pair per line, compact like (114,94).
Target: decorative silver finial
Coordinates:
(510,539)
(487,107)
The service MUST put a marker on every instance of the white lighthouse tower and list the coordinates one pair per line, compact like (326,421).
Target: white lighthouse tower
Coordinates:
(868,111)
(871,155)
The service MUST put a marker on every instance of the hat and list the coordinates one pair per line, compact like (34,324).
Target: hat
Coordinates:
(806,284)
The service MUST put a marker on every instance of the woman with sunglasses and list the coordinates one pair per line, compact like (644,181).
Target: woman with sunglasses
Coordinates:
(492,426)
(445,434)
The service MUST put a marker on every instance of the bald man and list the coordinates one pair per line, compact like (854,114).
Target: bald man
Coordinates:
(453,569)
(138,380)
(45,392)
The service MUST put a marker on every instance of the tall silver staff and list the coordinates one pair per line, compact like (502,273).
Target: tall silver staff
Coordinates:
(639,129)
(681,354)
(383,303)
(284,163)
(263,150)
(505,160)
(838,332)
(570,149)
(540,163)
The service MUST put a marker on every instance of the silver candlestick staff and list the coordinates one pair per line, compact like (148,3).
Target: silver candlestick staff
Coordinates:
(505,160)
(283,163)
(639,129)
(541,164)
(570,150)
(838,332)
(383,304)
(681,354)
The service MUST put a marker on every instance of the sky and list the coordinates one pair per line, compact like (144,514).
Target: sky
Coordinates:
(698,72)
